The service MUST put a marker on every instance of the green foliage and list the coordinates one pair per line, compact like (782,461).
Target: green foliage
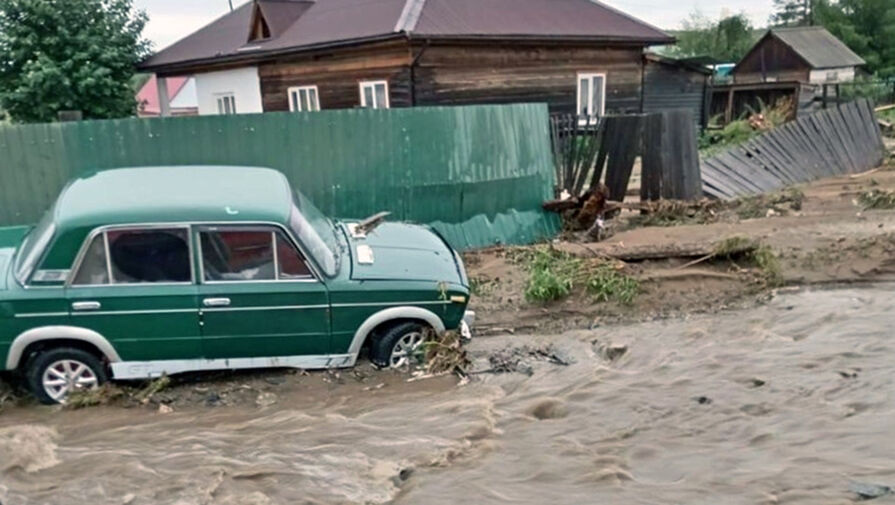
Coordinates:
(726,39)
(866,26)
(69,55)
(753,123)
(605,283)
(877,199)
(766,261)
(553,275)
(794,12)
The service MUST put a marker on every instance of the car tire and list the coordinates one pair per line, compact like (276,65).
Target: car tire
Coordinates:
(52,374)
(397,342)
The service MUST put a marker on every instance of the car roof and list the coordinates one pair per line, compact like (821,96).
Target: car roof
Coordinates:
(167,194)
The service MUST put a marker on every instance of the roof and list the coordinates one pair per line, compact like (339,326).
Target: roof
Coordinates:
(297,25)
(818,47)
(175,194)
(678,63)
(147,97)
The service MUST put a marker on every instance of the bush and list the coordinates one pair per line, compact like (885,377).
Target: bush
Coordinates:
(554,275)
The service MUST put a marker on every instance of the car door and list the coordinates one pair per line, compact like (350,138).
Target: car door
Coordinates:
(135,286)
(258,296)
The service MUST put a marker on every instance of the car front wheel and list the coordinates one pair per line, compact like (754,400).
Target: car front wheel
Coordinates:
(399,347)
(54,374)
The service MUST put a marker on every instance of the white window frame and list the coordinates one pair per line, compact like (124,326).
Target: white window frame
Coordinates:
(373,84)
(590,95)
(295,106)
(220,100)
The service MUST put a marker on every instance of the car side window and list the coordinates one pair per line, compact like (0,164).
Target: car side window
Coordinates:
(292,264)
(137,256)
(94,269)
(233,254)
(237,255)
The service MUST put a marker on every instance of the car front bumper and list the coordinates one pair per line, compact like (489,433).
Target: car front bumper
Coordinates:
(466,324)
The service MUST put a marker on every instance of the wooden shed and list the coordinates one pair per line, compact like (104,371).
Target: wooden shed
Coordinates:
(806,54)
(676,84)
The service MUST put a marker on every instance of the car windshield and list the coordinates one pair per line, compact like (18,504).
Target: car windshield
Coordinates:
(33,245)
(316,232)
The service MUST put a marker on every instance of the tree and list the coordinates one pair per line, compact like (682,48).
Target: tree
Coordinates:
(727,39)
(69,55)
(865,26)
(794,12)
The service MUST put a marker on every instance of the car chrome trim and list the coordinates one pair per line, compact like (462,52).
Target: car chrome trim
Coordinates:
(125,370)
(403,312)
(392,304)
(41,314)
(273,307)
(132,312)
(33,335)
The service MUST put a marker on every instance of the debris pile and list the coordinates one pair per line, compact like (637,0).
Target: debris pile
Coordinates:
(519,359)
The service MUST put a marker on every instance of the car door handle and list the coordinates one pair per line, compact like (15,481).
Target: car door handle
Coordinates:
(81,306)
(216,302)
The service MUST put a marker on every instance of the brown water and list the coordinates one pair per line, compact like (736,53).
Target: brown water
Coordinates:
(787,403)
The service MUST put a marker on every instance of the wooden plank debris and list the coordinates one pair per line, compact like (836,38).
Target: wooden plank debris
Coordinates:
(844,139)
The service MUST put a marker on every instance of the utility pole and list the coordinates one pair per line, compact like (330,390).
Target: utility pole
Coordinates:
(231,4)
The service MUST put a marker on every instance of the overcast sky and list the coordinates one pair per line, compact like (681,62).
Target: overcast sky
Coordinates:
(170,20)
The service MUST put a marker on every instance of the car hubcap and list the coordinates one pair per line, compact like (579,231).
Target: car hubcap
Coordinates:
(65,376)
(405,349)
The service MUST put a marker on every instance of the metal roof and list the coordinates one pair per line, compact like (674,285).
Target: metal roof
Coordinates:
(174,194)
(306,24)
(818,47)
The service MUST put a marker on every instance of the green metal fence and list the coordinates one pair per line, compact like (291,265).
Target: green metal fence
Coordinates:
(478,174)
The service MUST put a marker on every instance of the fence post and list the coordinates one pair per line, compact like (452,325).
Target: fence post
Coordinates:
(670,157)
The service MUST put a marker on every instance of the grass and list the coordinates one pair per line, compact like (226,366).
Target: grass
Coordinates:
(877,199)
(782,202)
(759,256)
(766,260)
(554,275)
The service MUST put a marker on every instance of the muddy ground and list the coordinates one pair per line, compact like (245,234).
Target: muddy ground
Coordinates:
(828,238)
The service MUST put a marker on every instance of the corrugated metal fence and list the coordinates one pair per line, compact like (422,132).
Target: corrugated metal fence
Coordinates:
(478,174)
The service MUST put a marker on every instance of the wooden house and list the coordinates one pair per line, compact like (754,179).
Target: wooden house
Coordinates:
(578,56)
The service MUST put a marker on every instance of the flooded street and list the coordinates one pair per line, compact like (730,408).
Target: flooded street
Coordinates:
(786,403)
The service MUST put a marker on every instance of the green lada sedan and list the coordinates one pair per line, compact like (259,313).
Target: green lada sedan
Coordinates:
(139,272)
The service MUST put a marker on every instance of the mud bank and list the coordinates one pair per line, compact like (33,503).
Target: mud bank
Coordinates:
(829,239)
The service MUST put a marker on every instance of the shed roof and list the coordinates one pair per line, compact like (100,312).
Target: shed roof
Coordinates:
(818,47)
(175,194)
(297,25)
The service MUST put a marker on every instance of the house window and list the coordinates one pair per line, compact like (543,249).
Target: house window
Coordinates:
(374,94)
(833,76)
(303,99)
(591,95)
(226,103)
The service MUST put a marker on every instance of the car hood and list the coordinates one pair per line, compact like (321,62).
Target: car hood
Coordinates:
(402,252)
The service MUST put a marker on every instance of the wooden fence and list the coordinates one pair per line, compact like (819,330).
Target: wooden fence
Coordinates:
(583,147)
(840,140)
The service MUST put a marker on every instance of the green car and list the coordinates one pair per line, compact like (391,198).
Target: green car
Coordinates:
(139,272)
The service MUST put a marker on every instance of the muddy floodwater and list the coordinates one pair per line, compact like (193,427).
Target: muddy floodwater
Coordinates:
(786,403)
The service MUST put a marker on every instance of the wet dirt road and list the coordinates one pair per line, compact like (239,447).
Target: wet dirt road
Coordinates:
(786,403)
